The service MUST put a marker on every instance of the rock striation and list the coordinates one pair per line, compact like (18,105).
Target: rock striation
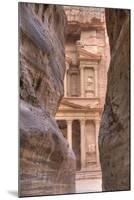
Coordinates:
(114,141)
(47,164)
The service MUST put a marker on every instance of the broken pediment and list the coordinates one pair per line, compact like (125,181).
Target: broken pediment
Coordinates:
(86,55)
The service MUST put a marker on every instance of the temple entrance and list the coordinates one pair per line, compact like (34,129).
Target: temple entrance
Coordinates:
(75,138)
(76,142)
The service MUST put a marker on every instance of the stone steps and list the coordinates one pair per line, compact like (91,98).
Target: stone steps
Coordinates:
(90,174)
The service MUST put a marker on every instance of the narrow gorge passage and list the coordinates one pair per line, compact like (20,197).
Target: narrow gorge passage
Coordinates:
(74,99)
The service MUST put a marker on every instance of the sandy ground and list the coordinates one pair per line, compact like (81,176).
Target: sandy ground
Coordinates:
(92,185)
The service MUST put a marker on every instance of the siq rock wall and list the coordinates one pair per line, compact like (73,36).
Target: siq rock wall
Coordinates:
(47,165)
(114,135)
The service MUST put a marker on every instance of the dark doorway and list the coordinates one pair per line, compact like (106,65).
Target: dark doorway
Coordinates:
(76,142)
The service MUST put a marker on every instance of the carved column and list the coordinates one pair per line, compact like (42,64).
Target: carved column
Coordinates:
(83,151)
(69,132)
(82,81)
(65,80)
(97,127)
(65,84)
(96,82)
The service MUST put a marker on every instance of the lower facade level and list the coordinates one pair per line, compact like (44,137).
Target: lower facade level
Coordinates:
(82,136)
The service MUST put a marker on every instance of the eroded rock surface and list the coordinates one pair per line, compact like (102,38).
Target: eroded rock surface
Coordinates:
(114,130)
(47,165)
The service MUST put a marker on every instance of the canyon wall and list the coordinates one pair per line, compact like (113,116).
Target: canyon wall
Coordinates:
(47,164)
(114,143)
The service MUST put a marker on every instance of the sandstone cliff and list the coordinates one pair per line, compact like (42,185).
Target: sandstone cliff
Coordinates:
(114,130)
(47,165)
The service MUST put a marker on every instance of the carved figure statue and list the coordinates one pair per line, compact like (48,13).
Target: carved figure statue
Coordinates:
(89,82)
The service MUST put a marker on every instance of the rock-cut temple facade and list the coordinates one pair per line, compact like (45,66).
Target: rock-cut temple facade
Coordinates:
(87,60)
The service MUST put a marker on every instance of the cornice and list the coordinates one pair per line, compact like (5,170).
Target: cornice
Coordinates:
(72,107)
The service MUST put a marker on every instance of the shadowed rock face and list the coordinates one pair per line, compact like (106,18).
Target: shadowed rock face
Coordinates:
(114,130)
(47,165)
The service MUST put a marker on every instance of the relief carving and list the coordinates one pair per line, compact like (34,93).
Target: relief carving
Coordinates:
(90,142)
(89,82)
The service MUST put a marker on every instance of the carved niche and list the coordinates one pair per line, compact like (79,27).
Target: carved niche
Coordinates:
(89,82)
(74,84)
(90,142)
(73,81)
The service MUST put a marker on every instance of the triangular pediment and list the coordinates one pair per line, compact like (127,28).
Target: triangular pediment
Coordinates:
(86,55)
(67,106)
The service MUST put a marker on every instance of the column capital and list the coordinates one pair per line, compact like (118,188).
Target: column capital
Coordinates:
(82,121)
(95,69)
(97,121)
(81,67)
(69,121)
(67,67)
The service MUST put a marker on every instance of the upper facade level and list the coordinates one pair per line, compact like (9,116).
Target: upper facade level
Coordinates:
(84,15)
(86,54)
(83,18)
